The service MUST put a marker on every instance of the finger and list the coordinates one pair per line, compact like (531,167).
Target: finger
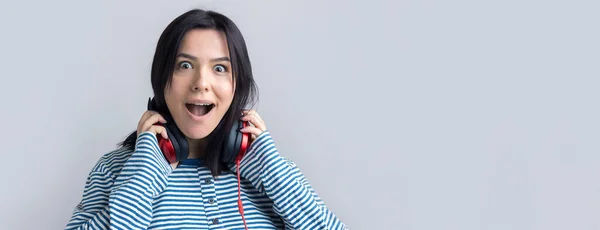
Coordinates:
(257,115)
(142,124)
(145,116)
(252,130)
(255,120)
(254,113)
(250,112)
(153,119)
(159,130)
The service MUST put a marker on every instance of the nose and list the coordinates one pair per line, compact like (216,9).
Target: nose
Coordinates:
(199,88)
(201,83)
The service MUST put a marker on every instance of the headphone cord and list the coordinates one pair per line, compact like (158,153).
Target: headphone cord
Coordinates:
(240,205)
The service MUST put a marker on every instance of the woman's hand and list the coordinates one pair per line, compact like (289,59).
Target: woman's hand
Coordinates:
(257,124)
(148,123)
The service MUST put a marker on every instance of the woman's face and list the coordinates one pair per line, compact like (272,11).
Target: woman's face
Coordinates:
(202,87)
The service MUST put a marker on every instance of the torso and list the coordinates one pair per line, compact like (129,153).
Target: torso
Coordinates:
(194,200)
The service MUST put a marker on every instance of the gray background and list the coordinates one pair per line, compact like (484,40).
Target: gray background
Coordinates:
(402,114)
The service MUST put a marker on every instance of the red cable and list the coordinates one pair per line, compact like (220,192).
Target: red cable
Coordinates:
(240,206)
(241,153)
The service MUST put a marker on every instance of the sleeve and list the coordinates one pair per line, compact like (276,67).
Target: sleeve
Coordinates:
(126,201)
(92,211)
(295,201)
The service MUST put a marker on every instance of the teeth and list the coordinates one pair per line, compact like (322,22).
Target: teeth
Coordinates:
(202,104)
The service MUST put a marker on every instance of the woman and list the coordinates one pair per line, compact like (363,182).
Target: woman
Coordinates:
(202,81)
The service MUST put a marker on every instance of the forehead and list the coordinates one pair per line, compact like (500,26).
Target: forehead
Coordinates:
(204,44)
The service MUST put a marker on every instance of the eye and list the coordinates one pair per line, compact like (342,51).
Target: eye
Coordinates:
(185,65)
(220,68)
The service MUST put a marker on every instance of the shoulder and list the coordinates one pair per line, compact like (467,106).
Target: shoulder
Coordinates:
(262,143)
(263,149)
(112,162)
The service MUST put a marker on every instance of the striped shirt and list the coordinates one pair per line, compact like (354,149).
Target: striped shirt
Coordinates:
(139,190)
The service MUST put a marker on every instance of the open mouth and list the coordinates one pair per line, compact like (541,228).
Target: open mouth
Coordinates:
(199,109)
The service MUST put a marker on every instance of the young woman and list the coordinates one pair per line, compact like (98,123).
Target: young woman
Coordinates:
(202,81)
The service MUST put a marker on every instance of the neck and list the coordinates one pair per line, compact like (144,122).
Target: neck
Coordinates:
(196,148)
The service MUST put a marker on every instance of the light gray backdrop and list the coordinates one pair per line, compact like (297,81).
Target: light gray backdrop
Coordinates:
(402,114)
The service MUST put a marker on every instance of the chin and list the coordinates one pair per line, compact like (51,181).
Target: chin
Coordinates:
(198,132)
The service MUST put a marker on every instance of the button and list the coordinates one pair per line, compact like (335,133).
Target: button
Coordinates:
(211,201)
(207,181)
(215,221)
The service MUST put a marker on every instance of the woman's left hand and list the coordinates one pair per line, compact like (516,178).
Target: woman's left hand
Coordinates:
(257,124)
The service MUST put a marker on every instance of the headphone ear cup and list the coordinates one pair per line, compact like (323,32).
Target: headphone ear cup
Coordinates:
(237,142)
(175,148)
(166,146)
(178,141)
(245,142)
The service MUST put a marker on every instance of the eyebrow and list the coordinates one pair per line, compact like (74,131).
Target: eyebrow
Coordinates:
(195,58)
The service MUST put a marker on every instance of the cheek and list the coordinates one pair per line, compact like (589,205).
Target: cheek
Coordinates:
(169,99)
(178,85)
(173,92)
(170,93)
(225,90)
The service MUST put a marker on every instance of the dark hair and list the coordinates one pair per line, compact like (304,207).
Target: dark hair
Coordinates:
(162,71)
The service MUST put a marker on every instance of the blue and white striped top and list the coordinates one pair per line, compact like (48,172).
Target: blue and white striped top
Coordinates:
(139,190)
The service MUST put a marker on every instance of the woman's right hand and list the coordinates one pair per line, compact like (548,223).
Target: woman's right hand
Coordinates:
(148,123)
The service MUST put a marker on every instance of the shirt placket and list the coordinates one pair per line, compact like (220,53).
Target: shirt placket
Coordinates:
(209,198)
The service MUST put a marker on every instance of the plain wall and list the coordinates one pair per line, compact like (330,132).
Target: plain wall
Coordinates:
(402,114)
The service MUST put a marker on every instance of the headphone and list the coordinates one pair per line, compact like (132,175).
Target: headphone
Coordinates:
(176,148)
